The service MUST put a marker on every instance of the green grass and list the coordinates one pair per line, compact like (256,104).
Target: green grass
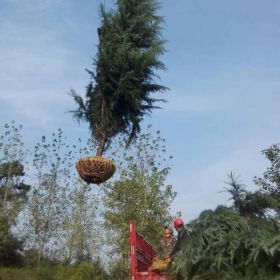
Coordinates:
(83,271)
(42,273)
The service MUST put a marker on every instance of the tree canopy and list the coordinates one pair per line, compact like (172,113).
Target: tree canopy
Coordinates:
(124,78)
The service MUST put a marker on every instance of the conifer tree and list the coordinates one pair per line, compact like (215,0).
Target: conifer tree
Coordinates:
(247,203)
(124,79)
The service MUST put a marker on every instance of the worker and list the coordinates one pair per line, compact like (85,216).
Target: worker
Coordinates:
(182,235)
(167,243)
(161,262)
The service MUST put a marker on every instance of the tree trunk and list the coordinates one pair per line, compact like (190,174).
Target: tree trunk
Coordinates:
(39,255)
(101,147)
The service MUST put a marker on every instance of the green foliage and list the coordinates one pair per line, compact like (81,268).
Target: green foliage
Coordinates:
(80,226)
(11,169)
(30,257)
(83,271)
(12,189)
(237,192)
(258,203)
(240,242)
(44,273)
(119,94)
(119,269)
(50,182)
(270,182)
(245,202)
(224,245)
(13,192)
(87,271)
(140,193)
(10,248)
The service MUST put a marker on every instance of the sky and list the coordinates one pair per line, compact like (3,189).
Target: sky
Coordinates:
(223,69)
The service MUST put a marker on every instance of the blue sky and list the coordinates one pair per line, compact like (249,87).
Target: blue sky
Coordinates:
(223,64)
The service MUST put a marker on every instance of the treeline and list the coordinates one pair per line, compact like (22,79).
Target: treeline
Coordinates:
(55,226)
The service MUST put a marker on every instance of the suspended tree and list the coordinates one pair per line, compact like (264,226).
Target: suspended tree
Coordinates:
(124,82)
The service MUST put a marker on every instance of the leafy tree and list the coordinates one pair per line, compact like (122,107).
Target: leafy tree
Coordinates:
(140,193)
(80,234)
(270,182)
(52,168)
(10,247)
(124,78)
(13,191)
(257,203)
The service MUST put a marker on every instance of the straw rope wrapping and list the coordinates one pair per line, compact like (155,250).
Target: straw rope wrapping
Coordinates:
(95,170)
(160,265)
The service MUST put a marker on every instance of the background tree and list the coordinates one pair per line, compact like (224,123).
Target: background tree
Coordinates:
(237,192)
(270,182)
(224,245)
(140,193)
(247,203)
(119,94)
(13,191)
(52,168)
(80,226)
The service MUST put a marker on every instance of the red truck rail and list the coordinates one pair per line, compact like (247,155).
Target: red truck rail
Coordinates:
(141,257)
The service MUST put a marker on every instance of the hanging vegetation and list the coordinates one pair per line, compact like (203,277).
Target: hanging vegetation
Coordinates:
(119,93)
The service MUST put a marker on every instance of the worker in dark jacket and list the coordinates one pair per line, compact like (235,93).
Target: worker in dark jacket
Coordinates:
(182,235)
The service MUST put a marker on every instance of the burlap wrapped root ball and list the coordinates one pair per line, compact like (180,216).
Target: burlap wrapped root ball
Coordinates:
(95,170)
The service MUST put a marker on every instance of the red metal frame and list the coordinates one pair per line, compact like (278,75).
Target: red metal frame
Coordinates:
(141,257)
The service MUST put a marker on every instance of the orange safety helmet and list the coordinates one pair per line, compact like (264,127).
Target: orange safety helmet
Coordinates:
(178,222)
